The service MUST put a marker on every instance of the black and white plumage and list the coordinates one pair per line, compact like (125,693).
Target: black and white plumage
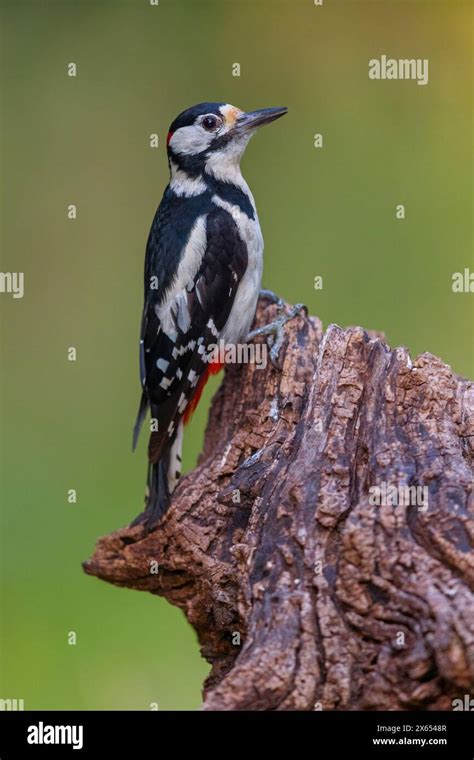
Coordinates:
(203,270)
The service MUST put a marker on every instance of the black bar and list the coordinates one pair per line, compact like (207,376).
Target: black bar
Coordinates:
(369,734)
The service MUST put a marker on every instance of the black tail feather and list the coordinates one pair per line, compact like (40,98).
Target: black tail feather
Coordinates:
(142,410)
(158,495)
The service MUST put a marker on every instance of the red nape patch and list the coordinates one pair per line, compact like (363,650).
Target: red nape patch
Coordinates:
(213,369)
(170,135)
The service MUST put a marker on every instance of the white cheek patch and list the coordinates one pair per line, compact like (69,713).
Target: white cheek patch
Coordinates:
(190,140)
(224,164)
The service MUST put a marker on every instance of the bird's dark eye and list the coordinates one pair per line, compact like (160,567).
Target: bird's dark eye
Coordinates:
(210,122)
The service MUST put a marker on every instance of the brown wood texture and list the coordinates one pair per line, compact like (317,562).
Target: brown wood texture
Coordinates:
(303,592)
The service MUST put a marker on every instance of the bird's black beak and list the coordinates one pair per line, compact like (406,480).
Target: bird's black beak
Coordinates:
(249,121)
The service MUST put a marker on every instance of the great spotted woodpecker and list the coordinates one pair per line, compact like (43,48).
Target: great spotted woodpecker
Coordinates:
(203,270)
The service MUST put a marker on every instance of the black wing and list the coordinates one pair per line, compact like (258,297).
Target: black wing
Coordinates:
(172,363)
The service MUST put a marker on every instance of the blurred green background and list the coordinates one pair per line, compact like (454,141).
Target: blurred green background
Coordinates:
(328,212)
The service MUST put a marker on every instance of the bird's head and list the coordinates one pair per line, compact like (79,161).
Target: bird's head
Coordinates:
(211,138)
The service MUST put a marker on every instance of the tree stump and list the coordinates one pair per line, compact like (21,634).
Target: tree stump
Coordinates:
(313,578)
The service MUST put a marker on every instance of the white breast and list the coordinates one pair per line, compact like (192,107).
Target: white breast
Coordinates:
(241,317)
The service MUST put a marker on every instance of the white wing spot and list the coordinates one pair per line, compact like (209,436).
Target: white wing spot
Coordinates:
(182,404)
(212,327)
(162,364)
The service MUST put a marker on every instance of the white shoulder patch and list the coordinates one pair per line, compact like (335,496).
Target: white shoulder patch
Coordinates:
(176,298)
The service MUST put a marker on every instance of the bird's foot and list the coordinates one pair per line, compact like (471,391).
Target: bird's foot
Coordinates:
(274,331)
(271,296)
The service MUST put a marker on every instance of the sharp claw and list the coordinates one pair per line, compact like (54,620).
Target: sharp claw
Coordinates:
(273,297)
(275,362)
(275,330)
(275,351)
(301,307)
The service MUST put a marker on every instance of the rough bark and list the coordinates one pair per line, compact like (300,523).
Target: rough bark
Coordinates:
(340,603)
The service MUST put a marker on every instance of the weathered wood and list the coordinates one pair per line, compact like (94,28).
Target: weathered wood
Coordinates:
(340,603)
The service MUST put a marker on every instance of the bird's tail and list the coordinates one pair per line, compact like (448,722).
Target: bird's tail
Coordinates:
(163,477)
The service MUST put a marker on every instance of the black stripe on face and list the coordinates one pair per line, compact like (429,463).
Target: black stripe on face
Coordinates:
(194,165)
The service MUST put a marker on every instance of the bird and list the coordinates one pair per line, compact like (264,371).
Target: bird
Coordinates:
(202,279)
